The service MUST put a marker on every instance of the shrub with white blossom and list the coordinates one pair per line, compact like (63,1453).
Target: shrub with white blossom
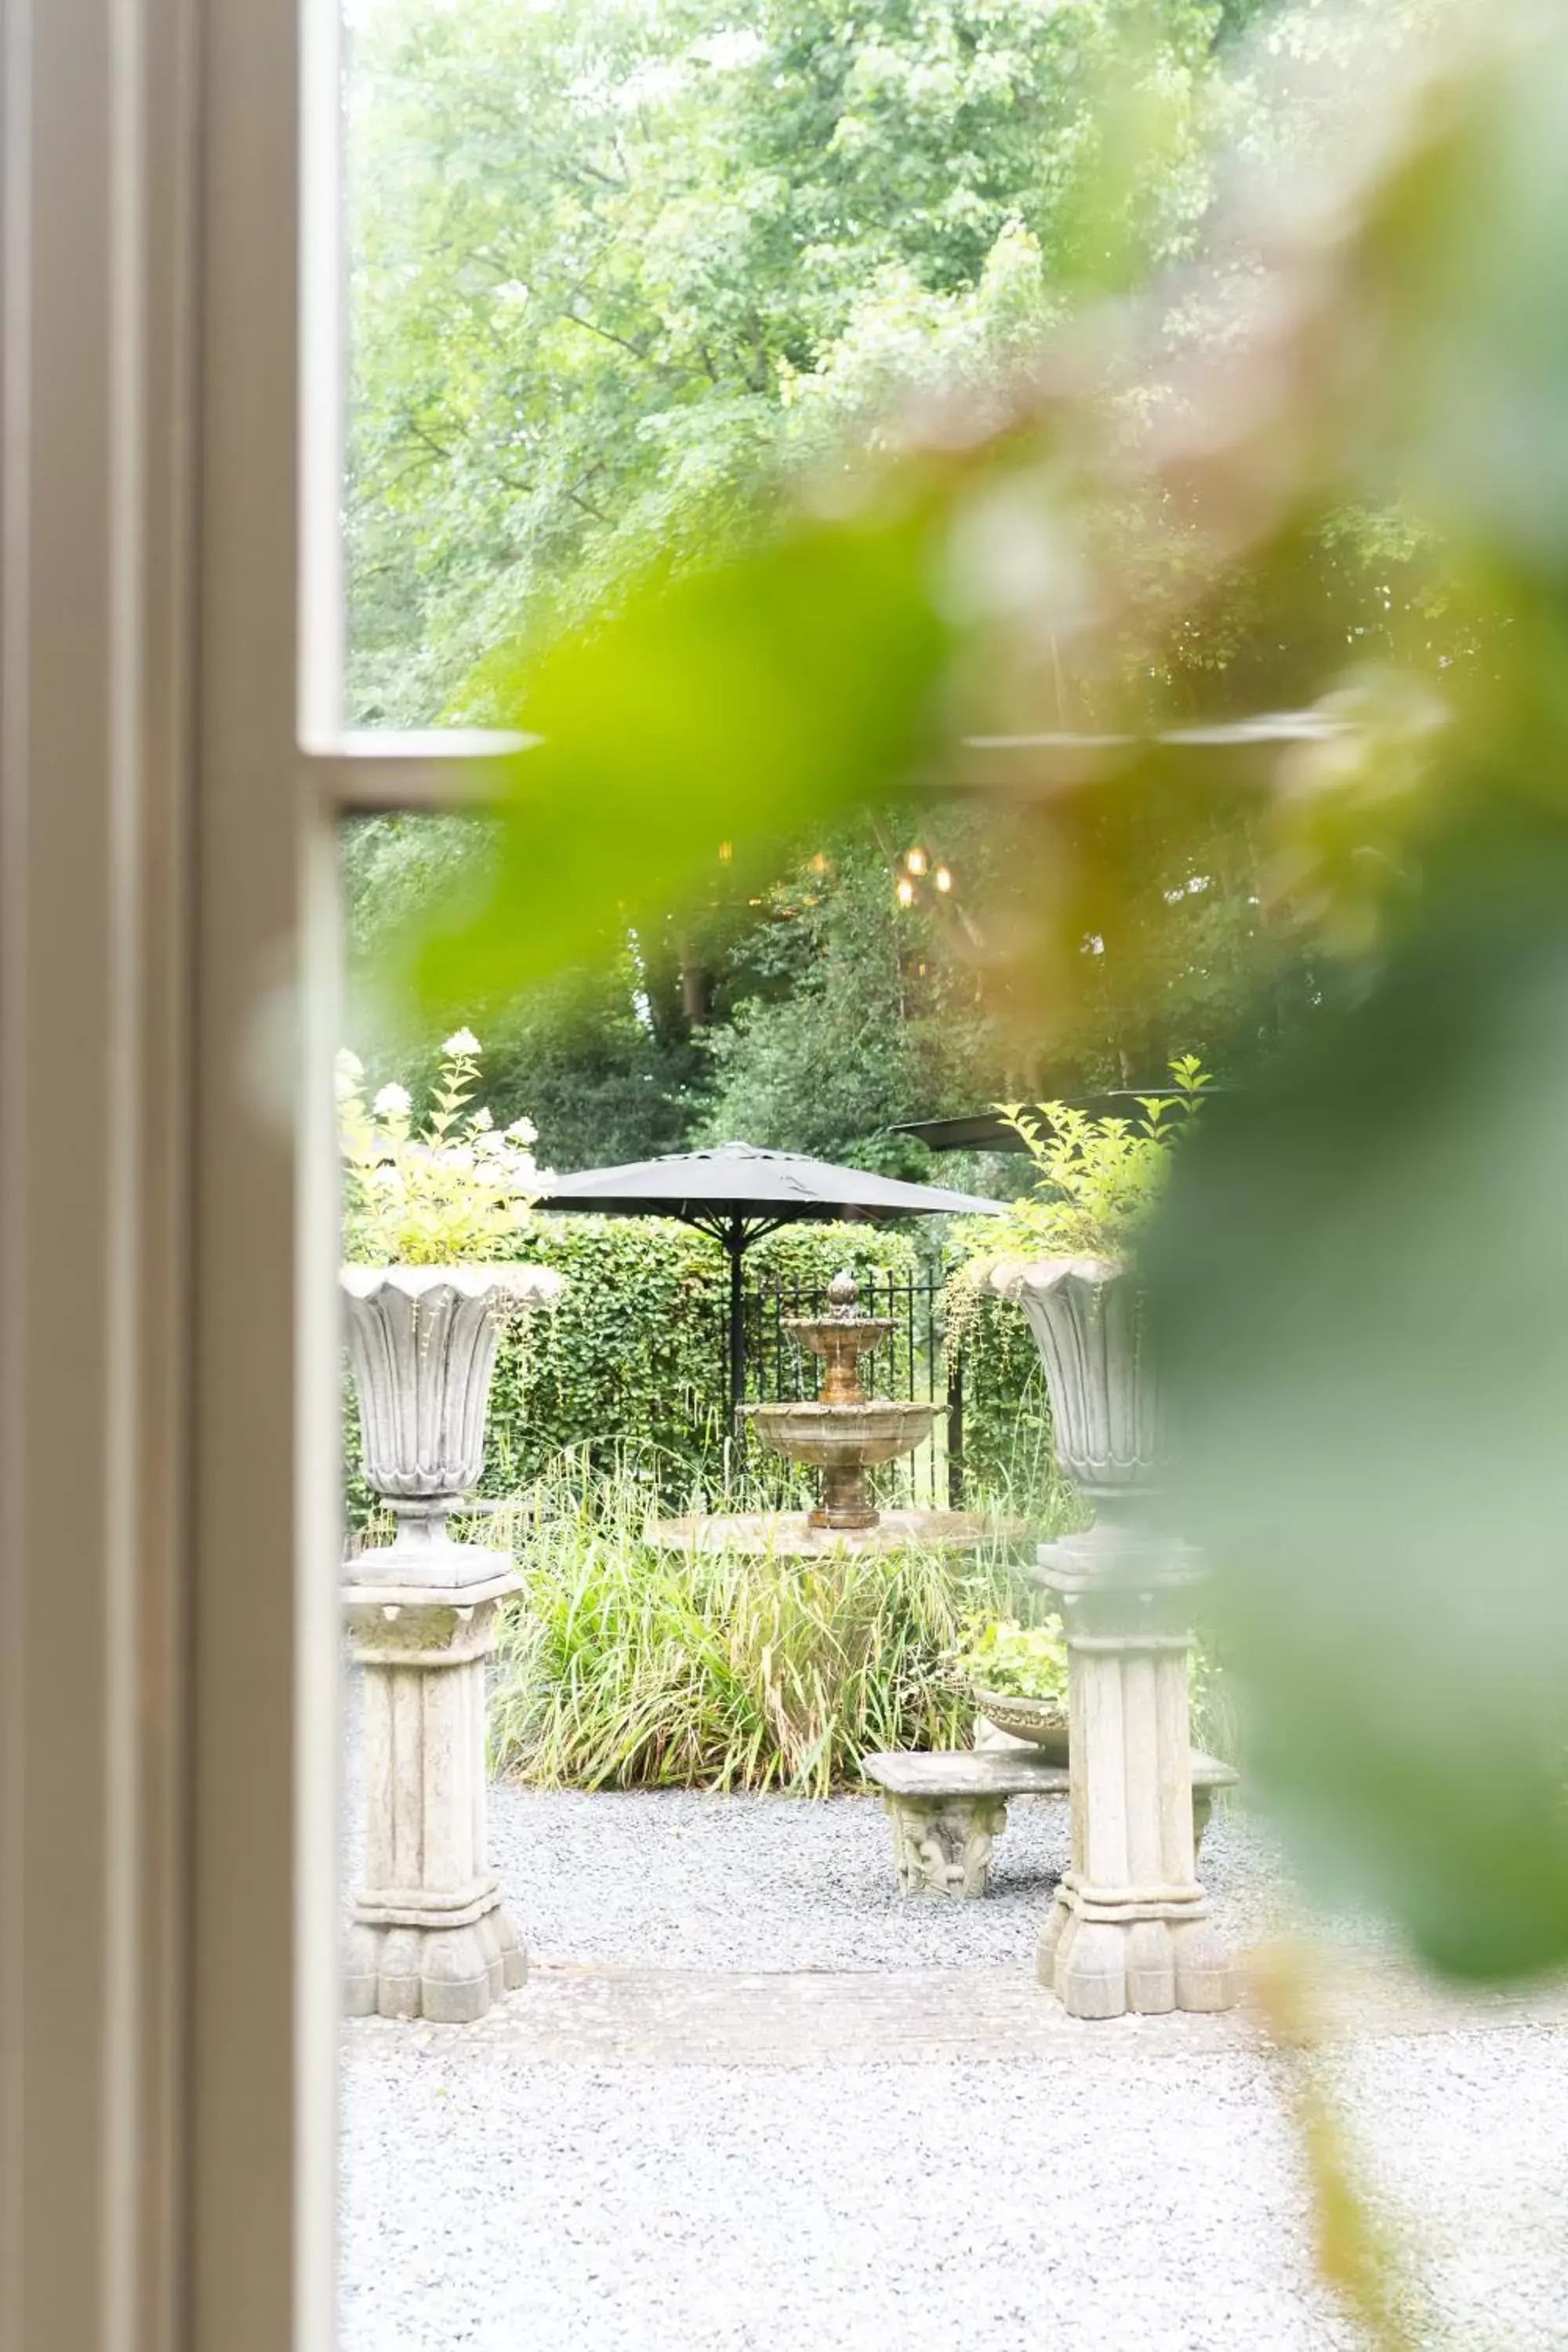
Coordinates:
(455,1189)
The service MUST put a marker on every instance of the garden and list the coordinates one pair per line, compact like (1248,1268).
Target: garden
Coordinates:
(952,1606)
(625,1663)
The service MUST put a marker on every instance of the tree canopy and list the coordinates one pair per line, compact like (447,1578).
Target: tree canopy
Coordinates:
(614,263)
(618,268)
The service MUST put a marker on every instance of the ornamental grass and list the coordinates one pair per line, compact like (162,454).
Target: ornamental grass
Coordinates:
(625,1667)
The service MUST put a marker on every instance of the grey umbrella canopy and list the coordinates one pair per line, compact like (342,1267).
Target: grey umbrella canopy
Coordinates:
(738,1193)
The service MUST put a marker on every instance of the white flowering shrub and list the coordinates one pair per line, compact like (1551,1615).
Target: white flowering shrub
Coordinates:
(455,1189)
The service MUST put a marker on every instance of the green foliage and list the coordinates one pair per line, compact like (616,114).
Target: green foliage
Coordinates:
(1363,1270)
(627,1371)
(628,1362)
(723,777)
(1020,1661)
(1362,1296)
(1008,1451)
(852,1013)
(819,1019)
(623,1666)
(609,1061)
(1096,1180)
(455,1189)
(613,268)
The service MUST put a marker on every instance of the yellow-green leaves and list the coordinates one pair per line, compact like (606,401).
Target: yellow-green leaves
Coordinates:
(1023,1660)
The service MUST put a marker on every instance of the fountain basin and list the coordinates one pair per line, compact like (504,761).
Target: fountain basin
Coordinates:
(790,1535)
(842,1440)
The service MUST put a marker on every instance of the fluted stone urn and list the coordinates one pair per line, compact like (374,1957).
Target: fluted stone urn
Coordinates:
(422,1347)
(1086,1315)
(1129,1927)
(430,1935)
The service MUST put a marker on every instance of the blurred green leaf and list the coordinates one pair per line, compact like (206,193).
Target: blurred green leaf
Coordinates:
(1361,1284)
(715,717)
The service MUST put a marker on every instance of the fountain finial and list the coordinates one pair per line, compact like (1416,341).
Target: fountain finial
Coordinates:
(842,1293)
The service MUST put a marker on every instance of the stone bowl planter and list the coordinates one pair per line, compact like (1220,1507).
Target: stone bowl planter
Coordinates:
(1043,1721)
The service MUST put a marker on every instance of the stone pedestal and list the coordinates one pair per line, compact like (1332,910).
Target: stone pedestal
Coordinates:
(428,1936)
(1129,1927)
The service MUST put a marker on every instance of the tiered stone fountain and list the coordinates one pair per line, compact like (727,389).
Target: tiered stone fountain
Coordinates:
(842,1434)
(844,1430)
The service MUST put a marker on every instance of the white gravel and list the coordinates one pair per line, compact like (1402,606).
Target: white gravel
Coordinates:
(668,1879)
(1128,2194)
(1122,2204)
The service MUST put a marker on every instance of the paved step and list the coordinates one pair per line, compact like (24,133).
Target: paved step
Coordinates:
(609,2016)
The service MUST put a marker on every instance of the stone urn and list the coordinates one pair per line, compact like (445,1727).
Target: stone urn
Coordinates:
(422,1345)
(430,1935)
(1129,1928)
(1086,1314)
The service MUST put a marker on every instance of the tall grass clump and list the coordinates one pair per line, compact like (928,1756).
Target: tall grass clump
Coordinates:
(624,1667)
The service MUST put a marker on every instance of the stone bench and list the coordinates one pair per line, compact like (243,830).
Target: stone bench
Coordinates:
(947,1809)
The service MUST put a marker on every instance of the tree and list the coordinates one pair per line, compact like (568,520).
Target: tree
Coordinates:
(609,1062)
(614,265)
(853,1013)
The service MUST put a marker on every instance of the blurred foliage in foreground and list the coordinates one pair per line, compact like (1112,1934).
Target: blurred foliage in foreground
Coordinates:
(1362,1271)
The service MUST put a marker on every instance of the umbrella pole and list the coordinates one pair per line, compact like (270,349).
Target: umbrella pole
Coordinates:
(735,1243)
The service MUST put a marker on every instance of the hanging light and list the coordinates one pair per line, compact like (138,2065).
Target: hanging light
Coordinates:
(943,877)
(915,861)
(726,852)
(906,891)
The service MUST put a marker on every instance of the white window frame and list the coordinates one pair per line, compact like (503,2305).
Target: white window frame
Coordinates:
(168,1356)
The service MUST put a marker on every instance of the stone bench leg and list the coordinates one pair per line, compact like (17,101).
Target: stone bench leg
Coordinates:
(1202,1811)
(942,1845)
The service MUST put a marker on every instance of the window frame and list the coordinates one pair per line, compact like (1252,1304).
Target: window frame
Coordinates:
(173,773)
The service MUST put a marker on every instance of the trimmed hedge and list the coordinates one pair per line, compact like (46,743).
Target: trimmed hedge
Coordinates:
(1006,1414)
(632,1363)
(631,1368)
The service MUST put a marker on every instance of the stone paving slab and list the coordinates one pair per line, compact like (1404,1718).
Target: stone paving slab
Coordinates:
(609,2016)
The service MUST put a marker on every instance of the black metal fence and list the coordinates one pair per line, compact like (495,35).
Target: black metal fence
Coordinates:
(913,1363)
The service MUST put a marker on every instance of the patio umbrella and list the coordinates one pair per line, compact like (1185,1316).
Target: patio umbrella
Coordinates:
(738,1193)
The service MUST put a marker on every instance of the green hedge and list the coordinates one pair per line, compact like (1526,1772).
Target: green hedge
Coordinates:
(1006,1415)
(631,1365)
(631,1368)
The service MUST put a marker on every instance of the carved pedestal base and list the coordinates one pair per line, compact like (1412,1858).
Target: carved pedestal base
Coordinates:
(1129,1927)
(942,1845)
(447,1974)
(428,1936)
(1101,1962)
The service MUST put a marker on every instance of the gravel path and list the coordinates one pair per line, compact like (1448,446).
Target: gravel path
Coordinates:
(674,1880)
(1131,2188)
(1111,2203)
